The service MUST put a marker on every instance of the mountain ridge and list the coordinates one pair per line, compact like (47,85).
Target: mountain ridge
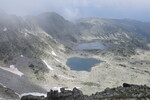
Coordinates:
(39,46)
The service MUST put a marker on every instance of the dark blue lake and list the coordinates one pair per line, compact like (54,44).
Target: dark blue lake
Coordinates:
(82,64)
(90,46)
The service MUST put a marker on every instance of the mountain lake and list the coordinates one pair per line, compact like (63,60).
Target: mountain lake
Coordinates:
(90,46)
(82,64)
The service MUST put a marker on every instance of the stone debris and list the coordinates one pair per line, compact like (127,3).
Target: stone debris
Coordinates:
(125,92)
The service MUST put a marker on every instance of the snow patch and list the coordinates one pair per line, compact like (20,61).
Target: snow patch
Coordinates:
(53,53)
(126,36)
(4,99)
(26,30)
(21,56)
(3,85)
(34,93)
(47,87)
(58,60)
(7,99)
(5,29)
(13,70)
(47,65)
(26,34)
(56,88)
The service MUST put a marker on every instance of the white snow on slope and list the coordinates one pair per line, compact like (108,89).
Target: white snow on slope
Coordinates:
(48,88)
(56,88)
(34,93)
(43,94)
(5,29)
(21,55)
(26,34)
(58,60)
(5,99)
(53,53)
(3,85)
(47,65)
(13,70)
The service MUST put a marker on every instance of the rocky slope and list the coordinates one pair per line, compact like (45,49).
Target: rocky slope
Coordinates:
(27,53)
(59,28)
(127,92)
(7,93)
(33,53)
(120,36)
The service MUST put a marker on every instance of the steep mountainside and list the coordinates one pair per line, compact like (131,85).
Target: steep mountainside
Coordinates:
(33,52)
(7,93)
(60,29)
(19,36)
(27,53)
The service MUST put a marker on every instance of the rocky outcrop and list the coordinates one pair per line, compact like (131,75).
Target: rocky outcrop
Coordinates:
(125,92)
(75,94)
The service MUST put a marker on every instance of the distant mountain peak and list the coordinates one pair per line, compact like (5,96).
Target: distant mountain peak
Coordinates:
(51,15)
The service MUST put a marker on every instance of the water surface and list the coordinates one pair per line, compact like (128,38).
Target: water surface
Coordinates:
(82,64)
(90,46)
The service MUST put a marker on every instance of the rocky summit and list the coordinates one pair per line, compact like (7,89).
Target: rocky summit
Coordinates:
(125,92)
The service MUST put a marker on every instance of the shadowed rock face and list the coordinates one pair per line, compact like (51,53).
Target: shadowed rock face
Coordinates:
(127,92)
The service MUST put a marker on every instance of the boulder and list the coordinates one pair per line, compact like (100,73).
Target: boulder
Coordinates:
(126,85)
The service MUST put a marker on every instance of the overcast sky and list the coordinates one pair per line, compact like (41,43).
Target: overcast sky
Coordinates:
(74,9)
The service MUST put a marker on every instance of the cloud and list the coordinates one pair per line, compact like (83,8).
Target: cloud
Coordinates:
(71,13)
(73,9)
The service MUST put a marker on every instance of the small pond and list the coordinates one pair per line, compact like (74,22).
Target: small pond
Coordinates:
(82,64)
(90,46)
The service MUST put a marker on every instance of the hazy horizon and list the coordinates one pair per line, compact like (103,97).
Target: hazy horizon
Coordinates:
(75,9)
